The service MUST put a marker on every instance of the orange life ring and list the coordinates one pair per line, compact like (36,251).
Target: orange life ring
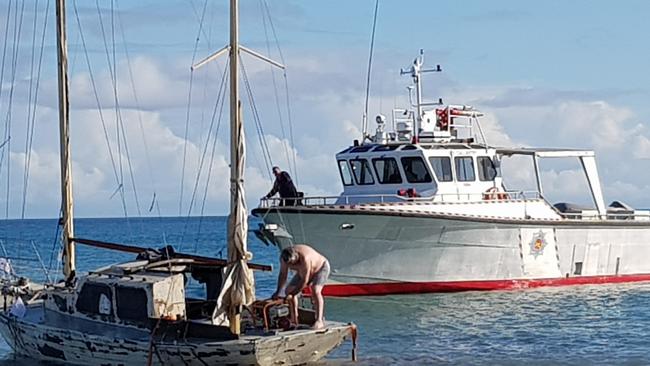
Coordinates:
(493,193)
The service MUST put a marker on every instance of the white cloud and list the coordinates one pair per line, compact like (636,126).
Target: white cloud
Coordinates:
(327,111)
(641,147)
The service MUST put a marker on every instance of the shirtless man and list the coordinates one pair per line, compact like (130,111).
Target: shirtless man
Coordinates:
(311,268)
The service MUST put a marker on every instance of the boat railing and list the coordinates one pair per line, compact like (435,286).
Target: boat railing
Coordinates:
(392,198)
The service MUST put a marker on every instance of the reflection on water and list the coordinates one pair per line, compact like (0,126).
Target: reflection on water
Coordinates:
(566,325)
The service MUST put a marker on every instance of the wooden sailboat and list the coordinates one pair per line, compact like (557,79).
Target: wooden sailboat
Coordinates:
(138,312)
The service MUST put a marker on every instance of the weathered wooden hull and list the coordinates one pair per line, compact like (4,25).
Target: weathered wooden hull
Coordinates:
(31,338)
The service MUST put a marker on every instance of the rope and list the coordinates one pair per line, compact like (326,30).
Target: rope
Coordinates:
(364,129)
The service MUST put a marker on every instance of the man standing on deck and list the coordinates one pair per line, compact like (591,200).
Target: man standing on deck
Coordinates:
(283,185)
(311,269)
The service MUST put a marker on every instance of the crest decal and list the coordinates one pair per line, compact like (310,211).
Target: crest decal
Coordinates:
(537,244)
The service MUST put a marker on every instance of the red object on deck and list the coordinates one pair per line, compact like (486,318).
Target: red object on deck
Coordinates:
(391,288)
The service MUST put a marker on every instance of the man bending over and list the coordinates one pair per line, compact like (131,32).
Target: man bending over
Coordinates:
(311,269)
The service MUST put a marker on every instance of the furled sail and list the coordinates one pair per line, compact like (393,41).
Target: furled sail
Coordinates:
(239,284)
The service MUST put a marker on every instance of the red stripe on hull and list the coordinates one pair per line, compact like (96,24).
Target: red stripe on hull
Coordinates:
(391,288)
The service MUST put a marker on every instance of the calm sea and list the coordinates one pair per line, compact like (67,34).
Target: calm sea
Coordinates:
(570,325)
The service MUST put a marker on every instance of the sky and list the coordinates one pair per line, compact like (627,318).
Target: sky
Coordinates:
(549,74)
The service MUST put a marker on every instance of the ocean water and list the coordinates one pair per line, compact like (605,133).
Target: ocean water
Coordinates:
(599,325)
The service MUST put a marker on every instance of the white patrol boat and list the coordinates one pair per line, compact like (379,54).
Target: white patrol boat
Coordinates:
(424,209)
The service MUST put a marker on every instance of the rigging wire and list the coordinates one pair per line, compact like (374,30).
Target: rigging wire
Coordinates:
(113,76)
(221,96)
(210,165)
(364,127)
(286,91)
(275,88)
(96,94)
(18,25)
(2,74)
(206,80)
(55,242)
(29,103)
(5,139)
(4,50)
(154,202)
(256,118)
(30,140)
(189,106)
(204,152)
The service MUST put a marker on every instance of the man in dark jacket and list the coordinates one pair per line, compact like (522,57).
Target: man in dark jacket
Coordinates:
(283,185)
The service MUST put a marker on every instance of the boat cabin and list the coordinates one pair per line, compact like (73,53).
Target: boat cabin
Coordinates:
(450,171)
(139,294)
(442,161)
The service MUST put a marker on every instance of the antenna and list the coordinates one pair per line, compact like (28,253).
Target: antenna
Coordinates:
(416,71)
(364,123)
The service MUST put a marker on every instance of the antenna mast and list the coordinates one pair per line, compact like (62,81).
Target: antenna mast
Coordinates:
(416,72)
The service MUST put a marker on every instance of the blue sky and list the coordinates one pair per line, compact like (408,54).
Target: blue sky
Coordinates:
(551,73)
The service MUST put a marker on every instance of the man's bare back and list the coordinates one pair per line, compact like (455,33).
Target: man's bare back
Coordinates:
(312,269)
(309,262)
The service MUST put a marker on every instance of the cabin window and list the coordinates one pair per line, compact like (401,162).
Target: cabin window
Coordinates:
(362,148)
(344,170)
(387,170)
(465,169)
(486,169)
(442,168)
(95,299)
(362,173)
(415,170)
(131,303)
(386,148)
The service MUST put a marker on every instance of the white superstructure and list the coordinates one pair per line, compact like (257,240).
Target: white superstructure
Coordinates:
(424,208)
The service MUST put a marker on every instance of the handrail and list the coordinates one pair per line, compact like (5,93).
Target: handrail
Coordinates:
(386,198)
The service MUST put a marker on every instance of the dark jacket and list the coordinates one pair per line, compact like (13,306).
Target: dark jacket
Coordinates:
(283,185)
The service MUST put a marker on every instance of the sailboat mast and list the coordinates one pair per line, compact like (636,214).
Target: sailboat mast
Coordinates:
(234,102)
(64,133)
(237,220)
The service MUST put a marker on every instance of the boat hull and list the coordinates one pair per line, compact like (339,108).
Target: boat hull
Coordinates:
(30,337)
(378,253)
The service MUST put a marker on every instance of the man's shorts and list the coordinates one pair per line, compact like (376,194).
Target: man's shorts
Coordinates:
(319,278)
